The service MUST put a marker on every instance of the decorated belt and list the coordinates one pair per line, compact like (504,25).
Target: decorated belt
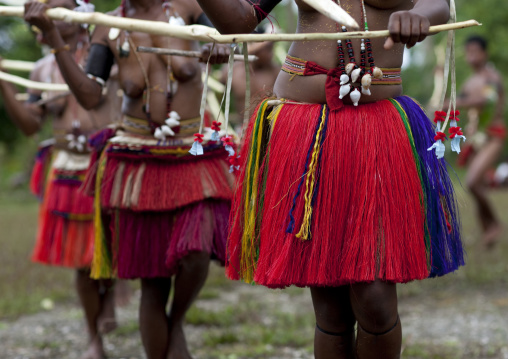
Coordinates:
(142,127)
(296,67)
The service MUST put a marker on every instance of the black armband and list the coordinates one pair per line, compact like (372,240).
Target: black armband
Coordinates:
(204,20)
(100,61)
(33,98)
(263,7)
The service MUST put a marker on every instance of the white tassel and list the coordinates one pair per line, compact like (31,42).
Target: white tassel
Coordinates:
(196,149)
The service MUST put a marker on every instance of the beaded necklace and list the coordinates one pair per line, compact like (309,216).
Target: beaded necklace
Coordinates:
(351,73)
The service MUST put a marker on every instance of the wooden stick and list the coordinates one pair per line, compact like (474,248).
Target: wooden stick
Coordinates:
(17,65)
(174,52)
(331,36)
(203,33)
(194,32)
(32,84)
(333,11)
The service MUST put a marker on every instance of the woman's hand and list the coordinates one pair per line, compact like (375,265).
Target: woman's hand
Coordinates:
(35,14)
(407,28)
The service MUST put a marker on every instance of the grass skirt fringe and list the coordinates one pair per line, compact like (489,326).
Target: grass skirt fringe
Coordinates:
(65,235)
(329,198)
(164,204)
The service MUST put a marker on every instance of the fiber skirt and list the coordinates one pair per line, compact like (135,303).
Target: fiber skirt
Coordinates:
(65,234)
(329,198)
(155,204)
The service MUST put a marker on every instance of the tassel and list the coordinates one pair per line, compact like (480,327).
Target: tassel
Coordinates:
(438,145)
(455,131)
(215,128)
(311,182)
(197,148)
(227,141)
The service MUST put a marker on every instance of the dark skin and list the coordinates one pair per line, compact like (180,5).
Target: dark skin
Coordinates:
(373,306)
(473,98)
(161,332)
(96,297)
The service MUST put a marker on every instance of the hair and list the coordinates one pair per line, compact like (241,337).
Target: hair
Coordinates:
(477,39)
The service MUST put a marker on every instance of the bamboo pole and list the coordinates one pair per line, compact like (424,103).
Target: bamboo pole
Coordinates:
(43,86)
(174,52)
(203,33)
(17,65)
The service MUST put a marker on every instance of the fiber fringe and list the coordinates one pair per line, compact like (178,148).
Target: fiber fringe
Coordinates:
(379,205)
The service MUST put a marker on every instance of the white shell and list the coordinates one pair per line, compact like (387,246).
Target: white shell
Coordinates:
(114,33)
(366,80)
(159,135)
(378,73)
(350,67)
(355,96)
(366,91)
(344,79)
(167,131)
(174,115)
(344,90)
(82,139)
(69,137)
(125,46)
(355,74)
(80,147)
(171,122)
(176,21)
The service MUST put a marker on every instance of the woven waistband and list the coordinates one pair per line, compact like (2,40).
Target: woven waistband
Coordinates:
(142,127)
(296,66)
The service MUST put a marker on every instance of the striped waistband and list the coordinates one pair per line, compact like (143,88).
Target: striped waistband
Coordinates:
(142,127)
(296,67)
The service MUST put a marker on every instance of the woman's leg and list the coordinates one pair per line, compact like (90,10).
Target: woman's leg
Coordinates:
(153,320)
(191,277)
(474,180)
(379,330)
(90,298)
(334,334)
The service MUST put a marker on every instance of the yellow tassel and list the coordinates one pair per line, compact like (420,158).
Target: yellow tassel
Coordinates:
(251,189)
(310,182)
(101,263)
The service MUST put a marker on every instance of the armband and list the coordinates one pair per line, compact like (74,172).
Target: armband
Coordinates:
(204,20)
(99,63)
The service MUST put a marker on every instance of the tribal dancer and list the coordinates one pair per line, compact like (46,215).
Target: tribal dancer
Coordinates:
(483,97)
(166,209)
(337,191)
(65,234)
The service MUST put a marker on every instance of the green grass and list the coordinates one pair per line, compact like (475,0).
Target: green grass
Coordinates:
(23,284)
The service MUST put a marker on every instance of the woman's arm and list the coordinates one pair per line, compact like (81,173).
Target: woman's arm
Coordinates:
(26,116)
(88,92)
(237,16)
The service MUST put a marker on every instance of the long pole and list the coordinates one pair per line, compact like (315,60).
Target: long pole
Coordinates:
(206,34)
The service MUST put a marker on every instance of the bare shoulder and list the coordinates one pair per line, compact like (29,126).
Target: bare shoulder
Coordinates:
(100,33)
(494,75)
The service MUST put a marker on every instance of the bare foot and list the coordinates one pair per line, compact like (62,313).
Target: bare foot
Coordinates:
(491,235)
(177,343)
(107,318)
(95,350)
(123,293)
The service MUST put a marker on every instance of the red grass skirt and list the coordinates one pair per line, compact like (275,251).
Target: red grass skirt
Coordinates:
(329,198)
(65,235)
(162,203)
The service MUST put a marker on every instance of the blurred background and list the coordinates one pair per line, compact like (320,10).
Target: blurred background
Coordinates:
(464,315)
